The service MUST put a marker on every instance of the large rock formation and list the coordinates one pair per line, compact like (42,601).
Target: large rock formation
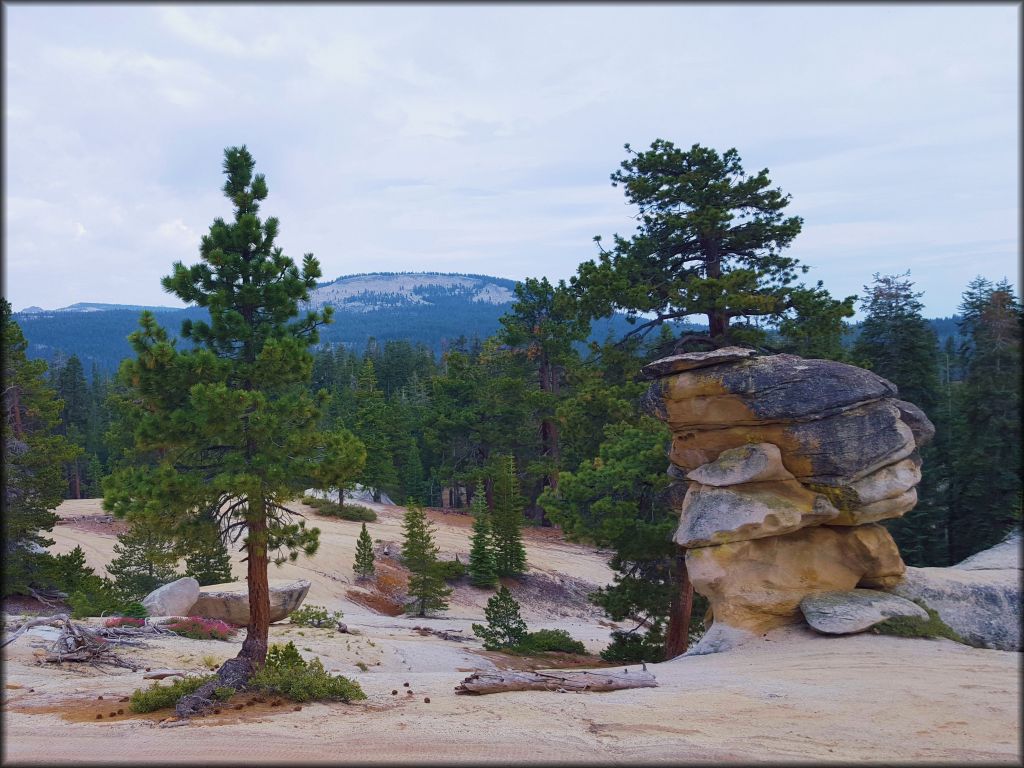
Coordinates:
(230,602)
(789,463)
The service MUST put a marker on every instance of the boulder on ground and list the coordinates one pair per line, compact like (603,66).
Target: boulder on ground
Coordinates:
(230,602)
(757,585)
(713,515)
(980,605)
(847,612)
(172,599)
(751,463)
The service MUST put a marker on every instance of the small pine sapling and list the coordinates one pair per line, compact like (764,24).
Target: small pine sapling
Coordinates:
(364,567)
(505,626)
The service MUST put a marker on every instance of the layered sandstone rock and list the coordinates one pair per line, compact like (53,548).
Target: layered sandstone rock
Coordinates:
(789,464)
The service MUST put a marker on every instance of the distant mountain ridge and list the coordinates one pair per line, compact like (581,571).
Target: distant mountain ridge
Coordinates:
(431,308)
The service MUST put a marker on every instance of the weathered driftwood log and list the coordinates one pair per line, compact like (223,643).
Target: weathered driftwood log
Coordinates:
(480,683)
(55,621)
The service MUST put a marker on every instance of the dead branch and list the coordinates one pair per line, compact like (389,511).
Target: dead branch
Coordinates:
(480,683)
(53,621)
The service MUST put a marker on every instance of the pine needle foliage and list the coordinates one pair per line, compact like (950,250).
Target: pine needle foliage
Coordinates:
(364,567)
(483,567)
(419,554)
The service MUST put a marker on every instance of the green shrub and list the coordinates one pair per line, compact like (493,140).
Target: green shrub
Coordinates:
(223,692)
(632,647)
(353,512)
(451,570)
(548,640)
(288,675)
(159,696)
(910,626)
(97,597)
(313,501)
(314,616)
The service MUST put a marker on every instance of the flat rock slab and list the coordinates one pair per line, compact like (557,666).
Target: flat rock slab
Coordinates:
(666,366)
(981,605)
(855,610)
(1006,554)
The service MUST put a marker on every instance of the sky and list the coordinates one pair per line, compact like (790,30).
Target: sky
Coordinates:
(480,138)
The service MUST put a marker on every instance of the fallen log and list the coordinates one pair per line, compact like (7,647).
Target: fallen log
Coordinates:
(480,683)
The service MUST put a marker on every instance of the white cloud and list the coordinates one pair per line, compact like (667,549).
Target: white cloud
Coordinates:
(480,138)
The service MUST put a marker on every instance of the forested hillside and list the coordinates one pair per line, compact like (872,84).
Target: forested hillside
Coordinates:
(433,310)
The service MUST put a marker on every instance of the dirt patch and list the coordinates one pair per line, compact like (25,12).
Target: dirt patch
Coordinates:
(240,708)
(375,601)
(104,525)
(25,605)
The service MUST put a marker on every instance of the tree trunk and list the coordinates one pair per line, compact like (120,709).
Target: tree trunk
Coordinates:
(480,683)
(254,649)
(680,609)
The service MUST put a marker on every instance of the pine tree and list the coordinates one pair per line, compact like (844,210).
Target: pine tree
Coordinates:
(988,478)
(505,626)
(207,559)
(364,567)
(71,388)
(709,242)
(372,425)
(341,461)
(510,554)
(145,558)
(226,429)
(483,570)
(33,463)
(896,342)
(419,554)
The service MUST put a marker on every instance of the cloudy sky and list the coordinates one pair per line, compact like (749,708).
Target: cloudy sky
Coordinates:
(480,138)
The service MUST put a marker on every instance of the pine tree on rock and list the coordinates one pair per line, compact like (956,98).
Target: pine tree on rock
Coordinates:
(507,520)
(505,626)
(33,463)
(364,567)
(419,554)
(145,558)
(483,569)
(207,559)
(227,429)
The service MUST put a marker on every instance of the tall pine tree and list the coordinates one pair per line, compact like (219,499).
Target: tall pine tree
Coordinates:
(988,478)
(227,429)
(419,554)
(33,463)
(483,568)
(507,517)
(896,342)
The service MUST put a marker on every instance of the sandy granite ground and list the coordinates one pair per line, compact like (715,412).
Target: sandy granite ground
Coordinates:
(792,696)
